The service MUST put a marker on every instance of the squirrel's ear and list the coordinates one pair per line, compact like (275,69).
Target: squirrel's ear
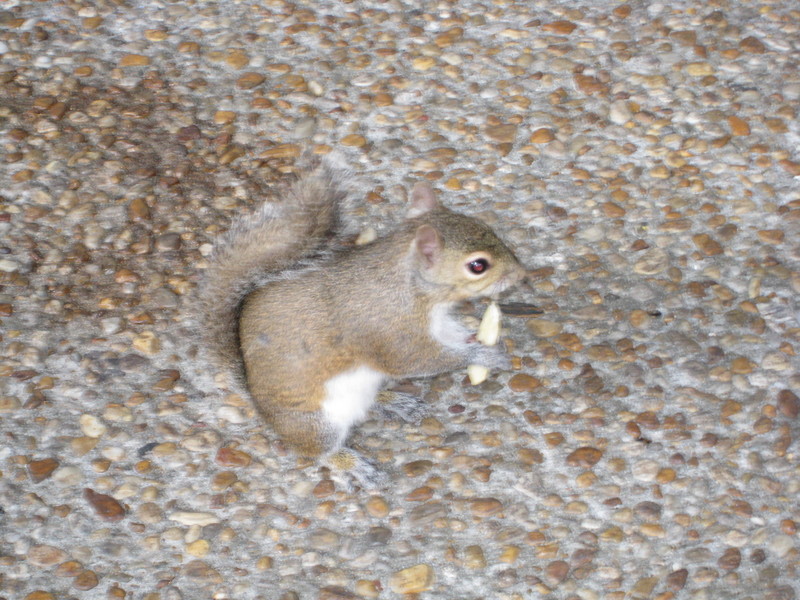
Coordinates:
(428,244)
(423,200)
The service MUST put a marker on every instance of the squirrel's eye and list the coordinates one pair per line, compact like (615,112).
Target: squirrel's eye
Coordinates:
(478,266)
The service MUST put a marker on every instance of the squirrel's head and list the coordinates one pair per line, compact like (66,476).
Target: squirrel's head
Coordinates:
(460,254)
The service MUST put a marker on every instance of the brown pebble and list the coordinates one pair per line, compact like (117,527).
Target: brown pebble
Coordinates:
(613,210)
(730,559)
(643,588)
(417,468)
(39,470)
(623,11)
(523,383)
(647,419)
(86,580)
(40,595)
(420,494)
(588,84)
(224,117)
(708,245)
(324,488)
(556,572)
(504,133)
(335,592)
(68,568)
(542,136)
(231,457)
(354,140)
(544,328)
(788,526)
(563,27)
(585,457)
(742,365)
(666,475)
(485,507)
(250,80)
(106,507)
(282,151)
(633,430)
(788,404)
(199,570)
(134,60)
(639,318)
(677,579)
(793,167)
(753,45)
(771,236)
(377,507)
(474,557)
(530,456)
(237,58)
(738,125)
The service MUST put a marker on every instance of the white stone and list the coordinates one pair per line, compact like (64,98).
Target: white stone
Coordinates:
(194,518)
(8,266)
(231,414)
(645,470)
(68,476)
(91,426)
(780,545)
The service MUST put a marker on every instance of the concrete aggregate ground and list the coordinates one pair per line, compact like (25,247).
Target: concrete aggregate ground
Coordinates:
(641,157)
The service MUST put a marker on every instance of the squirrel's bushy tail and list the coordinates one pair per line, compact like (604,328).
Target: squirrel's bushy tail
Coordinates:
(277,237)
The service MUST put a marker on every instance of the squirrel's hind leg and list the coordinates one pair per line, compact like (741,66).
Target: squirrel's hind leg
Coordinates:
(310,434)
(348,398)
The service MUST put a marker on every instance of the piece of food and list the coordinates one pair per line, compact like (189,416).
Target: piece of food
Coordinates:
(489,329)
(488,335)
(477,374)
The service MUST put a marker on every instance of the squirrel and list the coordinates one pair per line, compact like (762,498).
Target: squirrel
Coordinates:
(314,328)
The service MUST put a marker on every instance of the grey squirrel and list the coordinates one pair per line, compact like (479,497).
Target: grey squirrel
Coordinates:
(314,328)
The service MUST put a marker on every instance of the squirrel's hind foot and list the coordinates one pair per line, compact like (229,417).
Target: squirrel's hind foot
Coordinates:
(349,467)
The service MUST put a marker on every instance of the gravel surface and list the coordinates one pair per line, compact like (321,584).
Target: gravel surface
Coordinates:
(643,159)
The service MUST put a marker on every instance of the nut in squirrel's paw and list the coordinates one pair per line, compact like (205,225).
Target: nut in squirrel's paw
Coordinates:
(488,335)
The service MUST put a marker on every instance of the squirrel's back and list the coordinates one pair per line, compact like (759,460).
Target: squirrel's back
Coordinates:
(277,237)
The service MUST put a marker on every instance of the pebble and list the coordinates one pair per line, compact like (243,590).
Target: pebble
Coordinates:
(46,556)
(522,382)
(585,457)
(106,507)
(39,470)
(485,507)
(788,404)
(544,328)
(377,507)
(474,557)
(193,518)
(412,580)
(781,545)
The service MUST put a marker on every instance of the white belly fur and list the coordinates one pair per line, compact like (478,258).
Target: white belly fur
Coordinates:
(445,329)
(349,396)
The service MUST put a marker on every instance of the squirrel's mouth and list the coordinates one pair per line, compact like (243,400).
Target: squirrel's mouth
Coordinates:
(501,285)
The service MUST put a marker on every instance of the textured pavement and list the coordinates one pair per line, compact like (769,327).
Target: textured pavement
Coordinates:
(642,158)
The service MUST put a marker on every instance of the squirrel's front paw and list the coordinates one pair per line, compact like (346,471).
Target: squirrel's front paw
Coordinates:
(492,357)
